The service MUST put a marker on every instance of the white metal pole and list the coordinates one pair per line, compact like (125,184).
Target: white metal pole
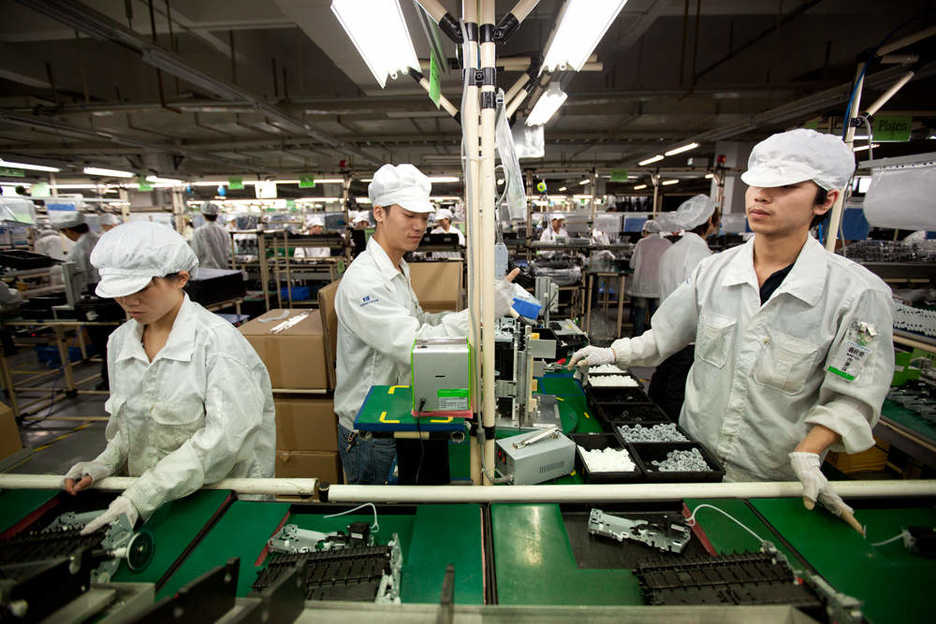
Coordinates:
(488,190)
(887,95)
(280,487)
(836,219)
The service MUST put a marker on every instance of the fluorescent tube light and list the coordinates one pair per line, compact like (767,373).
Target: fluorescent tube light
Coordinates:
(709,176)
(668,182)
(680,150)
(582,24)
(584,182)
(29,166)
(547,105)
(443,179)
(640,187)
(329,181)
(168,181)
(865,147)
(112,173)
(378,31)
(563,188)
(650,160)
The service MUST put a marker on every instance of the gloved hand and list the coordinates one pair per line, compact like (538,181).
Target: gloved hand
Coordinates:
(592,356)
(83,474)
(815,485)
(121,506)
(504,294)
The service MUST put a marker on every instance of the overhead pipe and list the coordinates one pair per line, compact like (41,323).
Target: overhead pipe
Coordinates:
(509,24)
(887,95)
(443,101)
(446,21)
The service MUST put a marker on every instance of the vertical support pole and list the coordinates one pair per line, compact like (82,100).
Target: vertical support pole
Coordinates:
(488,190)
(655,178)
(836,219)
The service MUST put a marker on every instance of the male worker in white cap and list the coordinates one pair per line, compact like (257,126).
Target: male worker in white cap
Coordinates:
(644,287)
(315,225)
(379,318)
(794,352)
(107,221)
(75,229)
(444,218)
(211,242)
(555,230)
(697,219)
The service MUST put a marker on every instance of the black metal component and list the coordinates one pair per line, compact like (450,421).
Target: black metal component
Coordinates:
(487,33)
(351,573)
(490,570)
(472,29)
(506,27)
(489,432)
(203,600)
(488,100)
(415,74)
(31,590)
(447,601)
(282,601)
(449,25)
(489,76)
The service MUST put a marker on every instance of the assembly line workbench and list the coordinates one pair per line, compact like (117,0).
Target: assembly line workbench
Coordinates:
(513,554)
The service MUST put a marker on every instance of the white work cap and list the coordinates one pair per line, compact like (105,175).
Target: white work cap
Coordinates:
(360,216)
(558,215)
(130,256)
(403,185)
(315,220)
(691,213)
(797,156)
(652,226)
(107,218)
(443,213)
(209,209)
(62,219)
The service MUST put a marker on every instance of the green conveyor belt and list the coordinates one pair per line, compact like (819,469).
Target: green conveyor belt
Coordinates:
(15,505)
(909,419)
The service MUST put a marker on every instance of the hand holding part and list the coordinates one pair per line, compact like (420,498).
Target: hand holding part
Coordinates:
(816,487)
(592,356)
(121,506)
(83,474)
(504,294)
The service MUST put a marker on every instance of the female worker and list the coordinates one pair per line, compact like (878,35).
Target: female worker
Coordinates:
(191,402)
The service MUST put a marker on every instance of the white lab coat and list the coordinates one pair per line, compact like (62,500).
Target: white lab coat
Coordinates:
(212,245)
(80,254)
(312,252)
(448,254)
(50,243)
(645,261)
(678,262)
(761,376)
(599,238)
(379,318)
(549,236)
(200,412)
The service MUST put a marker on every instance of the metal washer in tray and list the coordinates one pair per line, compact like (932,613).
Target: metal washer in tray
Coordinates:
(645,452)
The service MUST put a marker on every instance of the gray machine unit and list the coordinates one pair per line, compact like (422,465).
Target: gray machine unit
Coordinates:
(441,375)
(519,359)
(535,457)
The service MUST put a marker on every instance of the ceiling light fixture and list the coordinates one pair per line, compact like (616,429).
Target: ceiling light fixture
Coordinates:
(378,31)
(865,147)
(680,150)
(328,181)
(547,105)
(563,188)
(584,182)
(111,173)
(640,187)
(29,166)
(167,181)
(444,179)
(582,24)
(650,160)
(668,182)
(709,176)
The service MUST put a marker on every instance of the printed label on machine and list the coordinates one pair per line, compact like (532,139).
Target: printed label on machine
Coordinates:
(453,399)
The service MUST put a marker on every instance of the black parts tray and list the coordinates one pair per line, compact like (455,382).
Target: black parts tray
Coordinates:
(616,395)
(23,260)
(646,452)
(592,441)
(629,412)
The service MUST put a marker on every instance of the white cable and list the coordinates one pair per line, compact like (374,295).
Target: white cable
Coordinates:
(890,539)
(691,521)
(374,527)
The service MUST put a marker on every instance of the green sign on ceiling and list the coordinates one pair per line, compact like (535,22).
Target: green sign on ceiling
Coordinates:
(435,88)
(306,182)
(619,175)
(236,184)
(12,173)
(892,127)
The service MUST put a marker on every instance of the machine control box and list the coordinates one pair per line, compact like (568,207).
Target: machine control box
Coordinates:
(535,457)
(441,377)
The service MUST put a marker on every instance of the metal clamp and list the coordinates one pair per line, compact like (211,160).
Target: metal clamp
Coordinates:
(552,432)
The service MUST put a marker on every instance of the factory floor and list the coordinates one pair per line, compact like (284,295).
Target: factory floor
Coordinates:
(59,444)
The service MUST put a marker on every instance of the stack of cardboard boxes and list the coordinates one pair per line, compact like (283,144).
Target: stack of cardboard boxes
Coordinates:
(438,285)
(306,432)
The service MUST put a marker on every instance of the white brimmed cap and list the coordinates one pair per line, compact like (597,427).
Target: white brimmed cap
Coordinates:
(209,209)
(557,215)
(797,156)
(403,185)
(107,218)
(651,226)
(315,220)
(360,216)
(62,219)
(131,255)
(444,213)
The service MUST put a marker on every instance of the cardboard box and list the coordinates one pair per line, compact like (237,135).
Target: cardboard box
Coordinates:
(10,441)
(295,358)
(306,464)
(306,425)
(437,284)
(326,299)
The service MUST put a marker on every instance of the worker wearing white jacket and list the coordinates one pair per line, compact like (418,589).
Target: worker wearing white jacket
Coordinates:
(444,217)
(74,227)
(211,242)
(108,222)
(191,402)
(794,351)
(315,225)
(379,318)
(555,231)
(697,219)
(645,282)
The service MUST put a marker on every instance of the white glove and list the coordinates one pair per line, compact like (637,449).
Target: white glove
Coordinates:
(815,485)
(503,298)
(95,470)
(121,506)
(592,356)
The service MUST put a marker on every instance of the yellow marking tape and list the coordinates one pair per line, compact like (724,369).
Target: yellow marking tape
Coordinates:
(384,419)
(393,388)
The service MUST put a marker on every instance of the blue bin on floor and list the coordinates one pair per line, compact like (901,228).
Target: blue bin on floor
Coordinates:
(49,355)
(299,293)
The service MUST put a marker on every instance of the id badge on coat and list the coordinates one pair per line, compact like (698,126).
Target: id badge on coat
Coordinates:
(857,348)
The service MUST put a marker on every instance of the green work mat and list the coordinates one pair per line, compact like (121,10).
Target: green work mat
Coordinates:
(535,565)
(909,419)
(390,408)
(15,505)
(894,584)
(174,527)
(241,532)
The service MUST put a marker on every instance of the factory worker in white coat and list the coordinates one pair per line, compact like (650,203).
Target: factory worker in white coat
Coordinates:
(556,229)
(379,318)
(211,242)
(645,282)
(74,228)
(444,218)
(315,225)
(49,243)
(191,402)
(108,222)
(794,352)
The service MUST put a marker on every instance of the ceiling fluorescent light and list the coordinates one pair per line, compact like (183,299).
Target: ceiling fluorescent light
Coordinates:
(864,147)
(582,24)
(563,188)
(668,182)
(443,179)
(167,181)
(112,173)
(680,150)
(640,187)
(378,31)
(709,176)
(547,105)
(30,167)
(367,179)
(328,181)
(652,159)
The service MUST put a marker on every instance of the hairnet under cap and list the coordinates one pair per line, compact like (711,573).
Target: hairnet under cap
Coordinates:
(652,226)
(210,209)
(131,255)
(797,156)
(691,214)
(403,185)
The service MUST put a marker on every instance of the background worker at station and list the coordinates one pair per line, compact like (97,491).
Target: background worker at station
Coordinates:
(555,230)
(211,242)
(645,282)
(315,225)
(794,352)
(697,219)
(190,402)
(379,318)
